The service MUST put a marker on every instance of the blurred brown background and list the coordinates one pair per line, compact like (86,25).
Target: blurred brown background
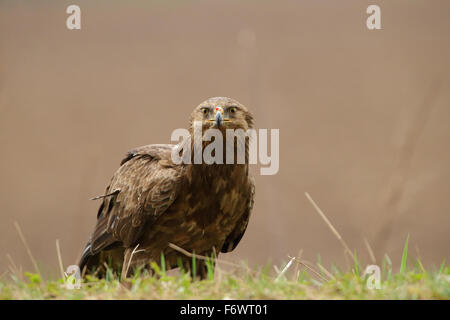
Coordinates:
(363,116)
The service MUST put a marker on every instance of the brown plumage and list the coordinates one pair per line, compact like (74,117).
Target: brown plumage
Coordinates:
(152,202)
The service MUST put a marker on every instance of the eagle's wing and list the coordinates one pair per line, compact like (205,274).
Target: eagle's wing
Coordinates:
(236,235)
(144,186)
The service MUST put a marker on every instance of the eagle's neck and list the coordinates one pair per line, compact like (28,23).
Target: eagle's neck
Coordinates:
(208,174)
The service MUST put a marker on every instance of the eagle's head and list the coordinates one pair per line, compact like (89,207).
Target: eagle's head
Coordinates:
(222,113)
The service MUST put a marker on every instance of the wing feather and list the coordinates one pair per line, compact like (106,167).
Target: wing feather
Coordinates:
(142,188)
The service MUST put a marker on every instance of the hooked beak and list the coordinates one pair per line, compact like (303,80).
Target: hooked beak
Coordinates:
(219,117)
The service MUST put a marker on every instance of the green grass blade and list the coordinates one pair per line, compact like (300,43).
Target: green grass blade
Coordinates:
(356,266)
(404,256)
(441,269)
(421,266)
(163,263)
(388,267)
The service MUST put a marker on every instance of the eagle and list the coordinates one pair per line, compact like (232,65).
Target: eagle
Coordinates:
(154,205)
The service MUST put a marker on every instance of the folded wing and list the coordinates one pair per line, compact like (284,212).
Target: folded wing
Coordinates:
(144,186)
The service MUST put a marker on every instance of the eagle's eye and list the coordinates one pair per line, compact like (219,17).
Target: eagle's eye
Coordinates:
(205,110)
(232,110)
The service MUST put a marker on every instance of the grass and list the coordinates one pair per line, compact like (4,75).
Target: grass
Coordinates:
(297,279)
(404,256)
(241,283)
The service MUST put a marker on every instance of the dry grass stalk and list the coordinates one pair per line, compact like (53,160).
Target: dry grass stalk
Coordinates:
(13,269)
(58,253)
(328,273)
(303,263)
(288,265)
(196,256)
(320,212)
(296,271)
(369,249)
(124,275)
(24,241)
(12,266)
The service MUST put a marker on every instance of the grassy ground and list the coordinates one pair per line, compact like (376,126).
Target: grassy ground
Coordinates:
(294,281)
(298,279)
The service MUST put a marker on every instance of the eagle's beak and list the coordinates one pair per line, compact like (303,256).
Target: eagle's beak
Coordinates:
(218,116)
